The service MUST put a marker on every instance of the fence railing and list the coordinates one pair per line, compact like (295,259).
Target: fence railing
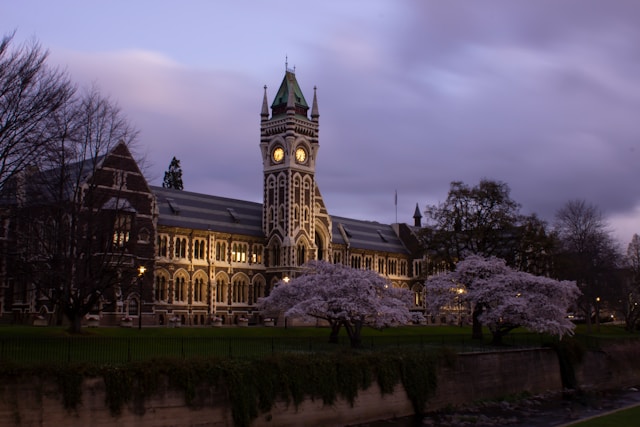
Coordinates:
(127,349)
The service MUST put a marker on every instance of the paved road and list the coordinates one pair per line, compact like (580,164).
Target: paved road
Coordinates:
(538,411)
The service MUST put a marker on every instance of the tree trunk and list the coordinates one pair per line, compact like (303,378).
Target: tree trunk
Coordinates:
(354,333)
(76,324)
(476,331)
(335,331)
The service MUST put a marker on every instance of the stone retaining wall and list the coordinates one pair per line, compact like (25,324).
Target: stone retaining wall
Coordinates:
(471,377)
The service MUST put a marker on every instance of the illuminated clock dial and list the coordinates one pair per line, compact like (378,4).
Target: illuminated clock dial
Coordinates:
(301,155)
(278,154)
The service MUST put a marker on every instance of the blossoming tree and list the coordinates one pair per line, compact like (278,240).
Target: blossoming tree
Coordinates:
(342,296)
(504,299)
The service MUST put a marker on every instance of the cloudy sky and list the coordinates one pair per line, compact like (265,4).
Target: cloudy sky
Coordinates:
(413,94)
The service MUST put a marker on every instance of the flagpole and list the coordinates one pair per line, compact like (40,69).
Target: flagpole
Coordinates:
(396,203)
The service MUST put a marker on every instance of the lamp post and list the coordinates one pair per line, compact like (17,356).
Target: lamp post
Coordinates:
(141,271)
(598,314)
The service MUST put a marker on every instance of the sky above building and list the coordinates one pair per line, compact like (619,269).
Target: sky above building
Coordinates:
(413,94)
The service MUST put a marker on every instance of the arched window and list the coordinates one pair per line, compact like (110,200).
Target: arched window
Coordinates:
(356,261)
(368,263)
(320,247)
(180,289)
(239,291)
(275,255)
(199,290)
(258,291)
(161,291)
(122,229)
(281,216)
(301,254)
(198,249)
(180,248)
(256,254)
(163,244)
(133,307)
(221,291)
(221,250)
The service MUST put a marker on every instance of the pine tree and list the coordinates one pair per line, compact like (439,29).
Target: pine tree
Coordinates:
(173,176)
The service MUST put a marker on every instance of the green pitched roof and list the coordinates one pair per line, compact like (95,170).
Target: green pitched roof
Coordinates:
(289,83)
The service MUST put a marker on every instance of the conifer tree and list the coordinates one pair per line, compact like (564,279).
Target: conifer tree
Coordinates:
(173,176)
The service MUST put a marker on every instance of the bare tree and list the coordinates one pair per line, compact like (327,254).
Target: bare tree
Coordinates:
(31,94)
(484,220)
(629,298)
(76,223)
(587,255)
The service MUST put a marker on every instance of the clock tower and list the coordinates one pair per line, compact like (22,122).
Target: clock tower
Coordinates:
(294,218)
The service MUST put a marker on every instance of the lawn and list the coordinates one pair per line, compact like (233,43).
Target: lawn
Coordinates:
(122,345)
(623,418)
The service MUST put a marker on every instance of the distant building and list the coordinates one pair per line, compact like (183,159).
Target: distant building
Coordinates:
(215,256)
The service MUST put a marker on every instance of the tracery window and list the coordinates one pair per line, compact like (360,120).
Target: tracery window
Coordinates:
(161,291)
(368,263)
(198,249)
(239,291)
(180,245)
(356,261)
(221,250)
(392,266)
(121,230)
(301,254)
(256,254)
(199,290)
(221,290)
(163,244)
(180,289)
(239,252)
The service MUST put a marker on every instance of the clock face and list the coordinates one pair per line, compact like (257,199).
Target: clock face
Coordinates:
(301,155)
(278,154)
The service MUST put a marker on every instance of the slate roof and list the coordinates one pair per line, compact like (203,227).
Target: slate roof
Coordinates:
(369,235)
(185,209)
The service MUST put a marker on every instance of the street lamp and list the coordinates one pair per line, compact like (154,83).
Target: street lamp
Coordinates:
(141,271)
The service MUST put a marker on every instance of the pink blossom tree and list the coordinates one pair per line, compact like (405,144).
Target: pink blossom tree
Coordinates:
(504,299)
(342,296)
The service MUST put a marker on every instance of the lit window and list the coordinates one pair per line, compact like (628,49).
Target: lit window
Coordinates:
(121,230)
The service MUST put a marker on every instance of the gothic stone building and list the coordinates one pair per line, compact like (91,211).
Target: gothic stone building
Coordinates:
(215,256)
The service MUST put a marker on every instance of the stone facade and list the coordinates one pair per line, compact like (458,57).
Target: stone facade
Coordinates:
(210,257)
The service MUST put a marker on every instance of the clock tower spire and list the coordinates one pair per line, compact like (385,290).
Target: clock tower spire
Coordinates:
(289,147)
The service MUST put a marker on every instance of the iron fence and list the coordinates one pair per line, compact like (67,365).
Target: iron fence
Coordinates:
(100,350)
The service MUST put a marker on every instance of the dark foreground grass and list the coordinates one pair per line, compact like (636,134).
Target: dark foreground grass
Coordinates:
(28,344)
(232,331)
(623,418)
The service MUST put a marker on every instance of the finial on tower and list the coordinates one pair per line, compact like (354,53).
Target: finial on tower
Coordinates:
(315,114)
(265,105)
(286,66)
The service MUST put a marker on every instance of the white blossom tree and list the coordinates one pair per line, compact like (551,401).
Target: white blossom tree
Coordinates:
(342,296)
(504,299)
